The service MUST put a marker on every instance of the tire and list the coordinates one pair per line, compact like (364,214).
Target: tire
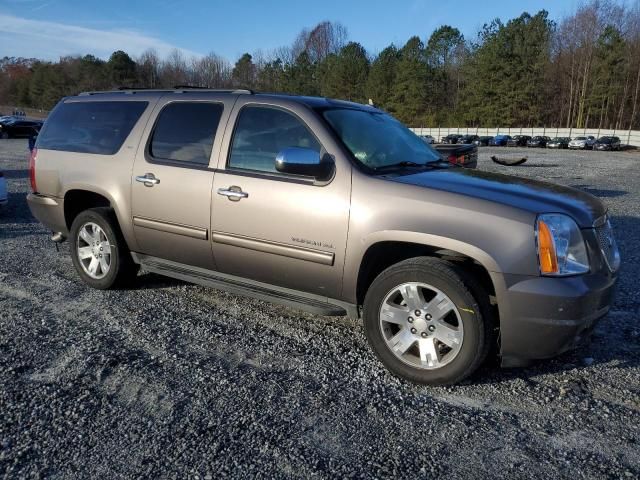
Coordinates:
(4,135)
(113,269)
(468,321)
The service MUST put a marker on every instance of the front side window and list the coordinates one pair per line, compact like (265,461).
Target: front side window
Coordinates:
(261,133)
(377,140)
(90,127)
(185,132)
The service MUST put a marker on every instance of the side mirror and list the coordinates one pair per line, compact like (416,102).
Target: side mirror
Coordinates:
(304,161)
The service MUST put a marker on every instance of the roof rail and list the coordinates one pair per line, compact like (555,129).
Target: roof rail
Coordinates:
(177,88)
(229,90)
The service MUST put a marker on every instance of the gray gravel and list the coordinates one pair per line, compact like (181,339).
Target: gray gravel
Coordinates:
(180,381)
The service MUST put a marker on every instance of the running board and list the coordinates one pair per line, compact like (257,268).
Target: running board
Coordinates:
(242,286)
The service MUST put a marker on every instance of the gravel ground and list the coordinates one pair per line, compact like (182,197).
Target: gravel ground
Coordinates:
(173,380)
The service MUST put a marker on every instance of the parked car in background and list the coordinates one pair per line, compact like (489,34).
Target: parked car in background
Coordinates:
(582,143)
(558,142)
(482,141)
(468,139)
(452,138)
(427,139)
(3,190)
(461,154)
(499,141)
(538,142)
(20,128)
(607,143)
(518,141)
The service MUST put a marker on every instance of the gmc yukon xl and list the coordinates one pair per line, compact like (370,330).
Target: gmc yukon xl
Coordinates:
(328,206)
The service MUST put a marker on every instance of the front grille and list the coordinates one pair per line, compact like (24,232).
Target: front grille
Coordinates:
(608,246)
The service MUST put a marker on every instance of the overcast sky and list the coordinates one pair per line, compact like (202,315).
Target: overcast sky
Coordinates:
(50,28)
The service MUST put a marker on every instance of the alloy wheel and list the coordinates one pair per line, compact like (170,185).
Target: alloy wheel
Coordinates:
(94,250)
(421,325)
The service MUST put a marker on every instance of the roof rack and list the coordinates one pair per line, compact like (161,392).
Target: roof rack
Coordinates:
(177,89)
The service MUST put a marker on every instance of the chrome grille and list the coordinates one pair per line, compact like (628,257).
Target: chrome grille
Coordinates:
(608,246)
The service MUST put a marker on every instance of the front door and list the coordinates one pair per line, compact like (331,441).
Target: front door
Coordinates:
(273,228)
(172,179)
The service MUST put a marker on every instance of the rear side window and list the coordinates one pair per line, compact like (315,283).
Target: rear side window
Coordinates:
(185,131)
(90,127)
(261,133)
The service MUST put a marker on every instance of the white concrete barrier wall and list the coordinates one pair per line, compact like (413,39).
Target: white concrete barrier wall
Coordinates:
(627,137)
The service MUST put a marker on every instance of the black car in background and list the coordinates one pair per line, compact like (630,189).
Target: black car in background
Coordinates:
(607,143)
(452,138)
(518,141)
(468,139)
(483,141)
(559,142)
(18,128)
(538,142)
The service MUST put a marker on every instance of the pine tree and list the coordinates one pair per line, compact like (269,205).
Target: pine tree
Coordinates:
(382,76)
(244,72)
(409,93)
(344,75)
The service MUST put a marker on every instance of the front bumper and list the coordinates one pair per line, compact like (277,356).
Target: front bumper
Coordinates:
(541,317)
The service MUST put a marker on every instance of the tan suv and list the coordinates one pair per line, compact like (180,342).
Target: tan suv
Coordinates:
(328,206)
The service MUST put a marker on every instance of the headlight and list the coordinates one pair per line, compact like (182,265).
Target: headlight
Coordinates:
(561,249)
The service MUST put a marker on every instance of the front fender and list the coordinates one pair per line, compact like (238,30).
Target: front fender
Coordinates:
(355,258)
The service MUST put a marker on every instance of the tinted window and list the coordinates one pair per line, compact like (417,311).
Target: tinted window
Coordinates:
(185,131)
(261,133)
(90,127)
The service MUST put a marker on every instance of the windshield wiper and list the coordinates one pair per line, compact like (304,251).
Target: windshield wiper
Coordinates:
(408,163)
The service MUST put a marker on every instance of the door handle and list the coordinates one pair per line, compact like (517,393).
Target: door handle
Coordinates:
(149,179)
(233,193)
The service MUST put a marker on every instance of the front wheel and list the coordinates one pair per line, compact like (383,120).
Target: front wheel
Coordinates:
(424,324)
(99,251)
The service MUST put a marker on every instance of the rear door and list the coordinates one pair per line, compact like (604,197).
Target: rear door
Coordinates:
(283,230)
(173,176)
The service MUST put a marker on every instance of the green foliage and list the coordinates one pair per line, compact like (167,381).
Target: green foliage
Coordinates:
(382,75)
(244,72)
(409,97)
(344,75)
(507,69)
(121,68)
(300,77)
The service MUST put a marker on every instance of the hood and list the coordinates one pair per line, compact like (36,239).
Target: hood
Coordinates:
(530,195)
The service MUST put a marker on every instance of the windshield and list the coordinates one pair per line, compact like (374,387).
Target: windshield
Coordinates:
(378,140)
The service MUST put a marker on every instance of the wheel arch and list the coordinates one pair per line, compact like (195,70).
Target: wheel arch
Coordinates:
(471,261)
(80,197)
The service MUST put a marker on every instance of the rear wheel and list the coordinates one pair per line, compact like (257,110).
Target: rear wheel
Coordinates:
(99,251)
(4,135)
(424,324)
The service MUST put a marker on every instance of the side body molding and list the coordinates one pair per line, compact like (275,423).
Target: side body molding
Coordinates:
(300,253)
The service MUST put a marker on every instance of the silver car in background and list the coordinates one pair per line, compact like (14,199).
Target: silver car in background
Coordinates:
(582,143)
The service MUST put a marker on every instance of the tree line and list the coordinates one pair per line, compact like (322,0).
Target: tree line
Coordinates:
(579,71)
